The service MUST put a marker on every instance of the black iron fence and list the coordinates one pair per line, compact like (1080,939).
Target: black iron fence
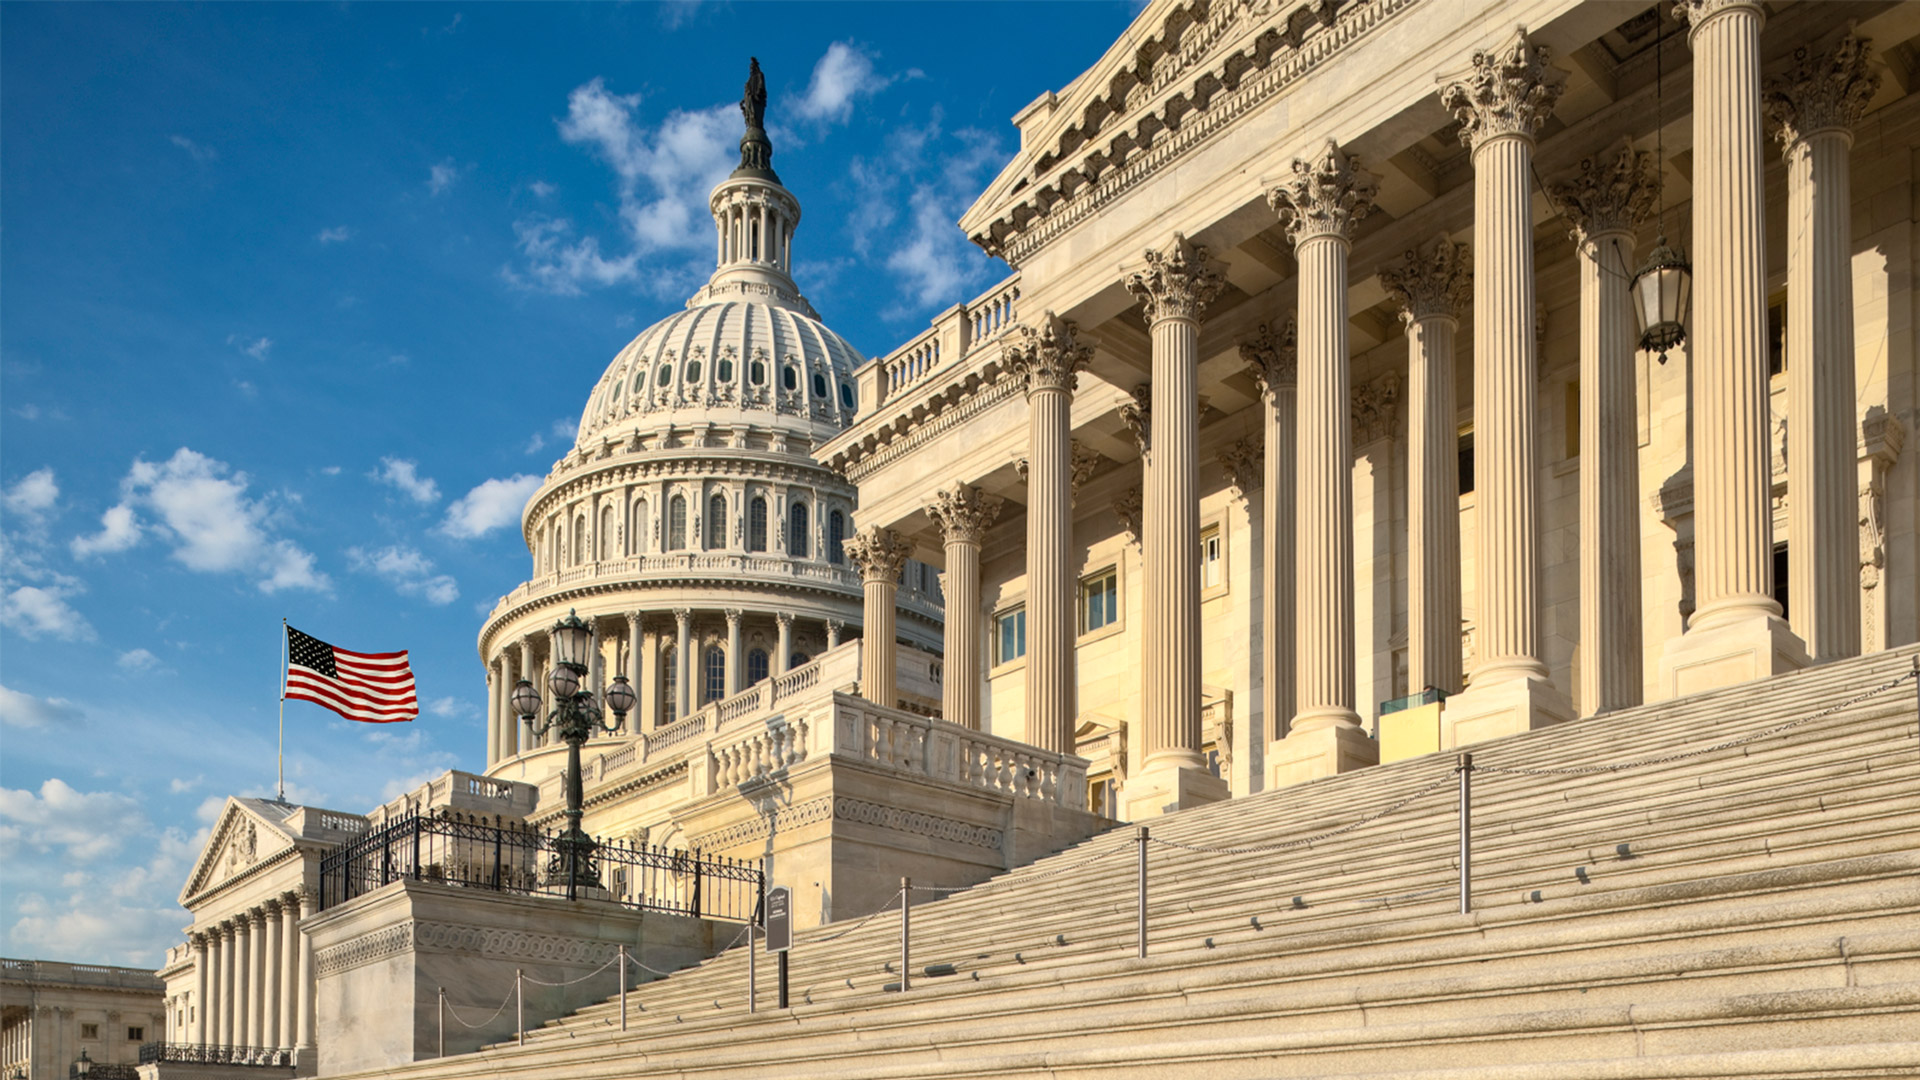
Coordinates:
(210,1054)
(476,852)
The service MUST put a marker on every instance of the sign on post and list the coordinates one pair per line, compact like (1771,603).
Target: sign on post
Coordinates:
(779,919)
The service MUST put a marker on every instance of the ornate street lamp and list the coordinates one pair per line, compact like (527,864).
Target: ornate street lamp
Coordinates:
(83,1066)
(575,717)
(1663,287)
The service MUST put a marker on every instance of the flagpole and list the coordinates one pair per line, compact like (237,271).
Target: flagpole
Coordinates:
(281,757)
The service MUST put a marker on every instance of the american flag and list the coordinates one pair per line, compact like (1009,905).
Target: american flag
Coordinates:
(376,688)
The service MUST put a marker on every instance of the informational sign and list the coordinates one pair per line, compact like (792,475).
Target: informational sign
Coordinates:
(779,919)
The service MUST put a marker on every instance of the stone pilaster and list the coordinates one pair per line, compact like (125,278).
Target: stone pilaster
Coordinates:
(683,666)
(1049,357)
(1611,195)
(1814,106)
(201,985)
(1318,206)
(1273,361)
(1736,633)
(733,650)
(880,554)
(1173,290)
(1431,288)
(1501,100)
(963,513)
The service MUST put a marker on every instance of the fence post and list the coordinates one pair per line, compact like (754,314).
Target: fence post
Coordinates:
(1142,910)
(906,909)
(1465,768)
(499,884)
(416,849)
(519,1008)
(443,1021)
(696,883)
(623,988)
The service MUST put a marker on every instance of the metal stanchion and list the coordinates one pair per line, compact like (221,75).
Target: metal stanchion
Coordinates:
(1465,769)
(906,909)
(752,947)
(783,981)
(443,1022)
(1143,892)
(623,988)
(519,1007)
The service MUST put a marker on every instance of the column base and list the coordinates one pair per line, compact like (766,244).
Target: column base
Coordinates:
(306,1061)
(1508,707)
(1165,788)
(1728,653)
(1327,751)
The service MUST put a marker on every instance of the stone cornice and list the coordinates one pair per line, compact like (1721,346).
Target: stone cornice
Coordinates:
(1613,192)
(1824,90)
(1508,91)
(942,413)
(1325,196)
(1436,280)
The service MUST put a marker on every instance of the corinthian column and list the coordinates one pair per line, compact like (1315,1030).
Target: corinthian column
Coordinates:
(880,554)
(290,944)
(303,1009)
(734,616)
(1736,633)
(522,734)
(1501,100)
(963,514)
(1611,195)
(1431,288)
(493,717)
(1272,360)
(223,989)
(272,975)
(1049,358)
(1174,291)
(257,980)
(201,987)
(635,637)
(1318,206)
(1814,106)
(683,667)
(243,957)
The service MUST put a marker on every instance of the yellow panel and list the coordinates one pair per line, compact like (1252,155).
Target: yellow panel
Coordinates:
(1410,733)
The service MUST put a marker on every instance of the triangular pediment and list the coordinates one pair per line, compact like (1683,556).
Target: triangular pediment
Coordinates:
(243,836)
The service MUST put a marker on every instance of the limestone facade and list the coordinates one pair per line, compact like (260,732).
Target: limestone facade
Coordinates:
(52,1011)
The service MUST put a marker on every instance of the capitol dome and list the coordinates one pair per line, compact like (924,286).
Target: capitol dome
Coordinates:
(689,524)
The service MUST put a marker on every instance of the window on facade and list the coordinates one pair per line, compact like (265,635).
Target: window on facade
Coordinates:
(1010,635)
(795,660)
(692,374)
(618,385)
(1777,336)
(677,523)
(1466,463)
(606,532)
(136,1034)
(1780,577)
(1212,557)
(846,395)
(669,683)
(1570,420)
(639,381)
(723,370)
(579,539)
(797,531)
(89,1031)
(756,666)
(1099,601)
(716,523)
(836,537)
(790,377)
(819,385)
(714,675)
(757,524)
(640,527)
(665,378)
(757,373)
(1100,796)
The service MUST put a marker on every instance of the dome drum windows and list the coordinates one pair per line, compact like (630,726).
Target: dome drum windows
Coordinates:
(677,523)
(757,524)
(691,374)
(819,385)
(797,527)
(790,377)
(716,523)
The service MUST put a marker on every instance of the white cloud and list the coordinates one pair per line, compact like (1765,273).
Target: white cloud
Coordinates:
(180,785)
(933,263)
(119,530)
(258,348)
(86,824)
(32,496)
(541,189)
(556,264)
(494,504)
(843,73)
(138,660)
(441,176)
(36,612)
(339,234)
(666,172)
(26,711)
(195,150)
(405,476)
(675,13)
(121,914)
(28,411)
(452,708)
(410,573)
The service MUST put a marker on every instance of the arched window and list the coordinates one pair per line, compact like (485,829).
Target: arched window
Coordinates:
(715,675)
(723,370)
(606,532)
(692,374)
(757,373)
(677,523)
(756,666)
(819,385)
(797,531)
(665,378)
(757,524)
(717,523)
(669,684)
(639,544)
(579,539)
(846,395)
(836,536)
(790,377)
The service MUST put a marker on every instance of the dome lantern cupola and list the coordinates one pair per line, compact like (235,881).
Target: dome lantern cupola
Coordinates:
(754,219)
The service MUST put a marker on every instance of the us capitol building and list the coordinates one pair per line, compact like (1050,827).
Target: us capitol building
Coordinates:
(1378,381)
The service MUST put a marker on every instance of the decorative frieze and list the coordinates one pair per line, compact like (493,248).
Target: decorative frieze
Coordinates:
(1273,357)
(1326,196)
(1178,282)
(917,823)
(1612,192)
(1825,89)
(1435,281)
(1510,90)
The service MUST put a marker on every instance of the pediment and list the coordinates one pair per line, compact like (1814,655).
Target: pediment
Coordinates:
(241,839)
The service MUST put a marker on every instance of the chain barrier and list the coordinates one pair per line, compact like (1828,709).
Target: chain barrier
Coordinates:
(454,1011)
(898,893)
(1621,766)
(1285,845)
(615,958)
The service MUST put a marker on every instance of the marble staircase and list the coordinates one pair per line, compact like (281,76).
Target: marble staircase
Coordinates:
(1751,911)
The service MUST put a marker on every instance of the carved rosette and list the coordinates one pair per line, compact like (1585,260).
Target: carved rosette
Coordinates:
(964,513)
(1128,509)
(1178,283)
(880,554)
(1139,417)
(1613,192)
(1375,409)
(1243,463)
(1273,358)
(1325,197)
(1435,282)
(1510,90)
(1049,356)
(1824,90)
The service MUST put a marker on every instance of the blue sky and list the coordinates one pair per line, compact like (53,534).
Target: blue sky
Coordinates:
(300,301)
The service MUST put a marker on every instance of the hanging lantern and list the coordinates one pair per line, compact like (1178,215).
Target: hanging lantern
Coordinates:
(1662,291)
(572,640)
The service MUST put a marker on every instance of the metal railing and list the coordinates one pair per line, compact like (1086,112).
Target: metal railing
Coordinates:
(211,1054)
(474,852)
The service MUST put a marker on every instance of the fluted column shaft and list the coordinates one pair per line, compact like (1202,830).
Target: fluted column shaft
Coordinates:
(963,514)
(509,723)
(782,662)
(1611,653)
(303,1013)
(493,716)
(1278,641)
(522,734)
(223,985)
(1171,545)
(290,942)
(201,984)
(634,638)
(1050,621)
(272,977)
(733,653)
(242,981)
(881,555)
(1433,507)
(683,664)
(1323,563)
(257,980)
(1732,477)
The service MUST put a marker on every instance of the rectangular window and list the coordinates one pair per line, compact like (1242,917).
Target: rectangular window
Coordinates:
(1777,336)
(89,1031)
(1212,557)
(1010,635)
(1099,601)
(136,1034)
(1571,420)
(1466,463)
(1100,796)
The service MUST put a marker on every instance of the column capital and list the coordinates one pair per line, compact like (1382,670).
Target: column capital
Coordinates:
(1695,13)
(1325,196)
(1048,355)
(1273,357)
(271,906)
(784,618)
(734,615)
(1128,508)
(257,916)
(1436,281)
(1139,418)
(682,616)
(964,513)
(1245,463)
(1508,90)
(1825,90)
(1178,283)
(198,940)
(1376,409)
(290,899)
(835,627)
(1614,191)
(879,553)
